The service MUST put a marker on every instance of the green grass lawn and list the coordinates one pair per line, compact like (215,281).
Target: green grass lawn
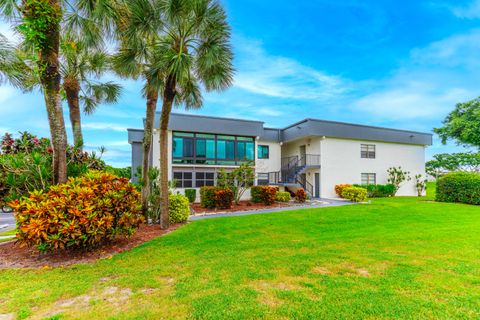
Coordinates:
(7,233)
(394,258)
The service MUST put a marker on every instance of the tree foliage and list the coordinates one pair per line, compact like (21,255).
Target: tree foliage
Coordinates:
(462,124)
(450,162)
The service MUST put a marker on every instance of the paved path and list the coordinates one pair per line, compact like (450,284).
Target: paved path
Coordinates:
(7,222)
(328,203)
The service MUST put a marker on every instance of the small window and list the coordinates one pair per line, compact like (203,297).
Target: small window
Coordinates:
(263,152)
(369,178)
(183,179)
(368,151)
(262,179)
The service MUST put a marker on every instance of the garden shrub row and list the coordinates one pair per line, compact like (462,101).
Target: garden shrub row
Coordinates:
(462,187)
(355,194)
(84,213)
(378,190)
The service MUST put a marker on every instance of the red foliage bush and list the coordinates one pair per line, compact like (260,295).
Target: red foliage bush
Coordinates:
(300,195)
(224,198)
(83,213)
(265,194)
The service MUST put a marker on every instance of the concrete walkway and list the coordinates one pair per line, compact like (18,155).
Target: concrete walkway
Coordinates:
(7,222)
(325,204)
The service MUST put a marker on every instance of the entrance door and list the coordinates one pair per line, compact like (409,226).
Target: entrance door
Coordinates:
(317,185)
(303,153)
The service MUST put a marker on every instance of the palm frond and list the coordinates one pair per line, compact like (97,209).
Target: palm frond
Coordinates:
(98,93)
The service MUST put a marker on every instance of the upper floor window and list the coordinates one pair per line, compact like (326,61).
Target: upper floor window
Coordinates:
(200,148)
(369,178)
(368,151)
(263,152)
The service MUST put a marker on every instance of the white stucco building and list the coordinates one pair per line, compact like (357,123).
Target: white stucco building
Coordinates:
(313,154)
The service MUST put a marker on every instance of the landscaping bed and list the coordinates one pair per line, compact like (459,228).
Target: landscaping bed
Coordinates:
(13,256)
(197,209)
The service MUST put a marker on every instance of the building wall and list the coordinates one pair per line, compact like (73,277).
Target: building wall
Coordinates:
(341,163)
(274,162)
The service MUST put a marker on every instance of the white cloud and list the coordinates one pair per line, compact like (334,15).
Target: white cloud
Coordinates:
(104,126)
(280,77)
(471,11)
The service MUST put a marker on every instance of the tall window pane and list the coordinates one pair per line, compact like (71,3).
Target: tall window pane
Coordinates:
(200,149)
(221,149)
(188,148)
(230,149)
(177,147)
(241,150)
(250,150)
(211,149)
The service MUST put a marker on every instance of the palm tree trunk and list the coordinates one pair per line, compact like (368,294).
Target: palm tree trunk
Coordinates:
(72,91)
(168,96)
(50,78)
(152,98)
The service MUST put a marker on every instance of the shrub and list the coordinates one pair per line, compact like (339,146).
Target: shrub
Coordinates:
(82,213)
(191,194)
(238,180)
(378,190)
(256,194)
(397,176)
(463,187)
(119,172)
(178,207)
(224,198)
(420,184)
(207,196)
(300,195)
(355,194)
(339,188)
(264,194)
(283,196)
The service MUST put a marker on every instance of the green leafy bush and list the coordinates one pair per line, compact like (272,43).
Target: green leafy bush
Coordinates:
(283,196)
(179,208)
(355,194)
(463,187)
(207,196)
(119,172)
(224,198)
(378,190)
(191,194)
(300,195)
(263,194)
(85,212)
(340,187)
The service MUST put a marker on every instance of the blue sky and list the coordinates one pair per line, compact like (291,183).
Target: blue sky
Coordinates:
(388,63)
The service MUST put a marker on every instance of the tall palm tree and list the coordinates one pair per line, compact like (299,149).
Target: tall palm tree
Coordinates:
(195,50)
(137,58)
(80,64)
(12,66)
(40,23)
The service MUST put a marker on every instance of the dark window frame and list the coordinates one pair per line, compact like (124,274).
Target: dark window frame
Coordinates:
(260,155)
(368,151)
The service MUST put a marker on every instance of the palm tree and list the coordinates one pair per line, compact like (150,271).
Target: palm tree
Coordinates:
(12,66)
(40,22)
(195,50)
(138,58)
(79,65)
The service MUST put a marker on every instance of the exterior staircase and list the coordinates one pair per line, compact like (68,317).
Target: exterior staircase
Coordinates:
(293,170)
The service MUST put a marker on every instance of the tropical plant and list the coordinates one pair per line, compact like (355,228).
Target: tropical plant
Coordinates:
(191,194)
(339,188)
(300,195)
(194,50)
(138,58)
(397,176)
(179,207)
(12,66)
(207,196)
(223,198)
(239,180)
(283,196)
(462,124)
(420,184)
(83,213)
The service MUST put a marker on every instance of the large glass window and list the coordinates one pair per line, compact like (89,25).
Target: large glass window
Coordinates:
(203,148)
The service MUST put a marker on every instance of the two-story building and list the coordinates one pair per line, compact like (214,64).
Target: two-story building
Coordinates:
(313,154)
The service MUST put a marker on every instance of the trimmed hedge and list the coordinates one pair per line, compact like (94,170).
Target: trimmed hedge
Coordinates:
(283,196)
(463,187)
(378,190)
(340,187)
(191,194)
(300,195)
(264,194)
(224,198)
(179,208)
(207,196)
(355,194)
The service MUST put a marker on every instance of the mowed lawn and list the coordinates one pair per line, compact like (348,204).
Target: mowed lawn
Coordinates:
(394,258)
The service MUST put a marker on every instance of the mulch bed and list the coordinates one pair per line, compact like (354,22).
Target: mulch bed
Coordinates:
(242,206)
(13,256)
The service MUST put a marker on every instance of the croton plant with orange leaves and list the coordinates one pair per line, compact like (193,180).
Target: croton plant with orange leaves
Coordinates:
(84,213)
